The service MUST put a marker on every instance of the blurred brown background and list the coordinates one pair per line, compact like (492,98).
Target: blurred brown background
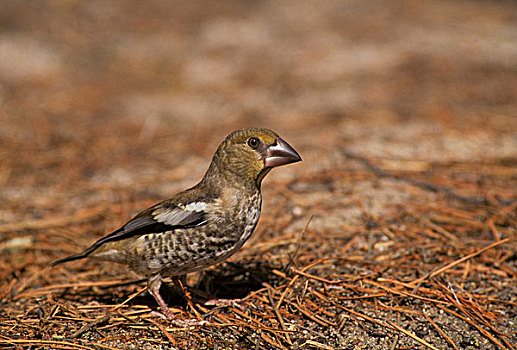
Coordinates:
(117,93)
(121,103)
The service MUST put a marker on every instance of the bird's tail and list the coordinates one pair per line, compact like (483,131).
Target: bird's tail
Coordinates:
(77,256)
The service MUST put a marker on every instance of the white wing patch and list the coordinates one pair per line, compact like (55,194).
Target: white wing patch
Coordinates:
(195,206)
(171,216)
(176,215)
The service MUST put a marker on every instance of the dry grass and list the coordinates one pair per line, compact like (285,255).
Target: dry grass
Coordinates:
(435,275)
(397,231)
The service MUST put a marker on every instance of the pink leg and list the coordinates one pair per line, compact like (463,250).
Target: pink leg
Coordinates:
(153,285)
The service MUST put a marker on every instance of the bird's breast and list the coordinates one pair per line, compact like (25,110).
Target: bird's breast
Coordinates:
(252,214)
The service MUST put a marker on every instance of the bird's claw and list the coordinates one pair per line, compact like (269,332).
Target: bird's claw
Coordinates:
(165,316)
(223,303)
(189,323)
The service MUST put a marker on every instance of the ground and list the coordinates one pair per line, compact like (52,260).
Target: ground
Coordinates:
(397,231)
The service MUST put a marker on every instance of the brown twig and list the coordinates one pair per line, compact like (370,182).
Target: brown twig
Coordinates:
(164,331)
(89,325)
(442,333)
(480,329)
(411,335)
(279,317)
(457,262)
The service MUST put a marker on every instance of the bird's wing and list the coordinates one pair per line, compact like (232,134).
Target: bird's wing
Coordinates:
(162,217)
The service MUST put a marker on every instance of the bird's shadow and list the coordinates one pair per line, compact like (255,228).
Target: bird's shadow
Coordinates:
(228,281)
(236,280)
(231,280)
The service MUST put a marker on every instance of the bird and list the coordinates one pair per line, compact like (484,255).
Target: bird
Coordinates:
(203,225)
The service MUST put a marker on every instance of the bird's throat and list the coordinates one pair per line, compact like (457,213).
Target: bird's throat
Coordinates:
(261,176)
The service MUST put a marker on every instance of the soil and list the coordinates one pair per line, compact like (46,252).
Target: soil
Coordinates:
(396,231)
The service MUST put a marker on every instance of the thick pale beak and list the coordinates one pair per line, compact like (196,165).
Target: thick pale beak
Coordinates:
(280,153)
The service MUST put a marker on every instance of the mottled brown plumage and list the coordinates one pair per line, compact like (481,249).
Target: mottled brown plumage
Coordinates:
(202,225)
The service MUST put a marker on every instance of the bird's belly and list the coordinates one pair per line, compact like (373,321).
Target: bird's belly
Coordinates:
(187,250)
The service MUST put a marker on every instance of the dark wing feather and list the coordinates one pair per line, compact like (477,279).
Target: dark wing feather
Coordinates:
(162,217)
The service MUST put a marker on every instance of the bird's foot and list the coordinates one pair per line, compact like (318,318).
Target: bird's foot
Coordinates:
(193,322)
(161,315)
(167,314)
(223,303)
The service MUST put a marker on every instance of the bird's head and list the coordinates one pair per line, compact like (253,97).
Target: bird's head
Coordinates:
(249,154)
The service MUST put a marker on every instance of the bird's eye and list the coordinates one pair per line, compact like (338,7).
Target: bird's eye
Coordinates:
(253,142)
